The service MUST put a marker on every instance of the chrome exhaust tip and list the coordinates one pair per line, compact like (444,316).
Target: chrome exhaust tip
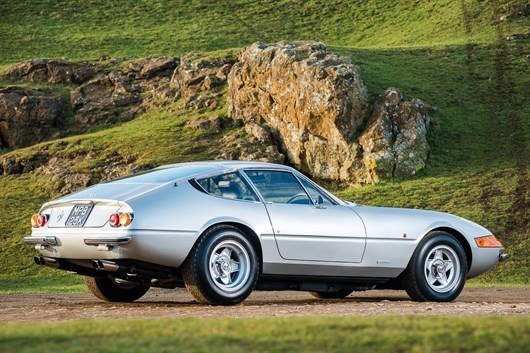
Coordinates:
(96,264)
(105,265)
(503,257)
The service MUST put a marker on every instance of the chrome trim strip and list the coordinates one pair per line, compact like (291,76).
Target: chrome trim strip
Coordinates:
(46,240)
(108,241)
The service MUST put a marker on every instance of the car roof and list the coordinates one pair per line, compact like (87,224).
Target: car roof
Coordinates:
(229,165)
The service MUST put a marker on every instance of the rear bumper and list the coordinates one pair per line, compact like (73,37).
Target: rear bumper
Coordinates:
(167,248)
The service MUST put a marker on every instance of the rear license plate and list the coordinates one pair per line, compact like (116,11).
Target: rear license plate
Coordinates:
(78,216)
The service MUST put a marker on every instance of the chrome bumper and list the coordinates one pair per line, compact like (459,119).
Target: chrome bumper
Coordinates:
(104,244)
(41,240)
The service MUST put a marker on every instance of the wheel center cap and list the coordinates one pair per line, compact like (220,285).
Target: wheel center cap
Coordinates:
(225,266)
(438,268)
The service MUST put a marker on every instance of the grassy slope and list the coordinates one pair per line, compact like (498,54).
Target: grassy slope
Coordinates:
(302,334)
(84,29)
(478,84)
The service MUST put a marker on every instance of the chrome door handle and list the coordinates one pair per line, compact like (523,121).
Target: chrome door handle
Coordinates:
(321,207)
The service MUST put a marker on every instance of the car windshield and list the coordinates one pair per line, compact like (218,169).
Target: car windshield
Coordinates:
(160,176)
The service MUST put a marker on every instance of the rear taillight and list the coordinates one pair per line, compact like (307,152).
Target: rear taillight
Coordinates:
(39,220)
(121,219)
(42,220)
(126,218)
(35,221)
(114,220)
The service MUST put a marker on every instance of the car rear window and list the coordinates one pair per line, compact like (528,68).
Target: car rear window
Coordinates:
(228,186)
(160,176)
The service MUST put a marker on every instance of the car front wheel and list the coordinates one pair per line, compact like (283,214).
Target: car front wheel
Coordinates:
(437,270)
(223,267)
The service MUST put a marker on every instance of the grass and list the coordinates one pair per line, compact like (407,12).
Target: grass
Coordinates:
(300,334)
(81,29)
(450,54)
(46,281)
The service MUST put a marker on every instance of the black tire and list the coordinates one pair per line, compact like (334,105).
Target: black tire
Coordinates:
(339,294)
(415,277)
(109,290)
(198,276)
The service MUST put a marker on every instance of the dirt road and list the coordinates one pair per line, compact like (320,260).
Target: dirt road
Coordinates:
(178,303)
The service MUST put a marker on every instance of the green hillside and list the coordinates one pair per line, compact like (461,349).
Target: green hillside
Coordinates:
(88,29)
(451,54)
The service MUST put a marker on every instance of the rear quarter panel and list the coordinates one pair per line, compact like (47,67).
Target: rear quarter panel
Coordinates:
(175,217)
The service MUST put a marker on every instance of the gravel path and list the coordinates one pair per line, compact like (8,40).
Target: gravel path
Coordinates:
(178,303)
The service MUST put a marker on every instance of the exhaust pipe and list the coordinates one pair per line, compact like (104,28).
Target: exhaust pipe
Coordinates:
(46,261)
(105,265)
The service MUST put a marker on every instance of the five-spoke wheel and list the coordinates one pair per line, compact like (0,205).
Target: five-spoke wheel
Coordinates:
(437,270)
(229,265)
(223,267)
(442,268)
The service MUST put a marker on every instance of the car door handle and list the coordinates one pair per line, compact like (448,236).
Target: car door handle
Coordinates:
(320,207)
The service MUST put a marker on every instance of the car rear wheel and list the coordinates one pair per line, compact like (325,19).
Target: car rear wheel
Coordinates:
(111,290)
(339,294)
(437,270)
(223,267)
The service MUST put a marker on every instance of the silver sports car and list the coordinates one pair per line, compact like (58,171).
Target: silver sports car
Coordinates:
(223,229)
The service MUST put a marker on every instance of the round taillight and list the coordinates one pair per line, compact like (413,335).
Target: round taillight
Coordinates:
(35,221)
(126,218)
(114,220)
(41,220)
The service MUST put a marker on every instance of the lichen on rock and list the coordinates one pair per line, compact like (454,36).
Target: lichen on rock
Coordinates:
(28,116)
(395,141)
(315,104)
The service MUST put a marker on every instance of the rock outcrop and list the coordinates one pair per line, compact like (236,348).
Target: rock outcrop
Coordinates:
(28,116)
(199,82)
(315,104)
(52,71)
(313,101)
(104,98)
(153,66)
(290,102)
(394,143)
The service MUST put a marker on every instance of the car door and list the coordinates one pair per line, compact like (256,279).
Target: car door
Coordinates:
(308,225)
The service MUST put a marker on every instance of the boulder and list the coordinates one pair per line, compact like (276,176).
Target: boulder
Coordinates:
(11,166)
(199,82)
(105,98)
(29,116)
(249,149)
(313,104)
(209,123)
(52,71)
(153,66)
(394,142)
(313,101)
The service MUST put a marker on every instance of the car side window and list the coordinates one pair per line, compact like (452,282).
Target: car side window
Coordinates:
(278,187)
(318,197)
(228,186)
